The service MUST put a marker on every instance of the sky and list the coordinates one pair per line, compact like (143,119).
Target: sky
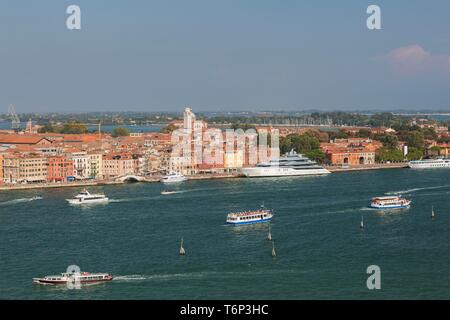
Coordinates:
(224,55)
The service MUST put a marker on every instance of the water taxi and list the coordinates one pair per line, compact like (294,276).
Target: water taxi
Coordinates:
(84,197)
(391,202)
(82,277)
(250,217)
(173,177)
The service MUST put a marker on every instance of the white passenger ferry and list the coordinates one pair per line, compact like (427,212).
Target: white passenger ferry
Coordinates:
(429,164)
(250,217)
(390,202)
(85,197)
(82,277)
(173,177)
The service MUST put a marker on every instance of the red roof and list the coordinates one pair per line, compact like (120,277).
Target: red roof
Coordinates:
(20,139)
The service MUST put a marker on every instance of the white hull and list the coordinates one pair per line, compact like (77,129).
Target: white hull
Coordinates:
(173,180)
(77,201)
(281,172)
(430,164)
(399,206)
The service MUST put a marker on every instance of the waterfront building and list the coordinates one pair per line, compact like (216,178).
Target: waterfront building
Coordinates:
(95,166)
(350,156)
(152,161)
(59,168)
(32,168)
(81,164)
(179,164)
(233,159)
(352,151)
(117,164)
(11,165)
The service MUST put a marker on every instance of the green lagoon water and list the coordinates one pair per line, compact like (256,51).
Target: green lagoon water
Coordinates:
(322,253)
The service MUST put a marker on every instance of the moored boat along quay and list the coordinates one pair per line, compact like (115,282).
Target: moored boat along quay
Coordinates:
(107,182)
(151,179)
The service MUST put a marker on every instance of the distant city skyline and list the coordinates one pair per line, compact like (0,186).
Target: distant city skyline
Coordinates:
(156,56)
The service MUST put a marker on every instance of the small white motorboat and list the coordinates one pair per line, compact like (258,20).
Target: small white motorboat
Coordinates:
(84,197)
(167,192)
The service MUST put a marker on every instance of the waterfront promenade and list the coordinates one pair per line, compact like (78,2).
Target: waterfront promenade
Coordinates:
(106,182)
(376,166)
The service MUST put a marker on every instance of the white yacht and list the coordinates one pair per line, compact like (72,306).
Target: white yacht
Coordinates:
(291,164)
(429,164)
(173,177)
(85,197)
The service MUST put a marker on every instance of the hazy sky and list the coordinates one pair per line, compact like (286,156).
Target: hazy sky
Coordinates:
(224,55)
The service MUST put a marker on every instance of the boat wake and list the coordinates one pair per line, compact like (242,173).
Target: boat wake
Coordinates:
(132,199)
(21,200)
(368,209)
(191,275)
(407,191)
(138,277)
(173,192)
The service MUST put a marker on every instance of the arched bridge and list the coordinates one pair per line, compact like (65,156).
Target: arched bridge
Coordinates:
(130,177)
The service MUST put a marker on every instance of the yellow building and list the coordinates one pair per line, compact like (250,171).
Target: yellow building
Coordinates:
(32,169)
(11,165)
(95,167)
(233,159)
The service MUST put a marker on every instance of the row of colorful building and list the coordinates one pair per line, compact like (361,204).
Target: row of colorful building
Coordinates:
(37,158)
(30,157)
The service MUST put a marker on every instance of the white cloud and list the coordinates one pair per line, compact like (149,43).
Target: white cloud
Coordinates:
(414,60)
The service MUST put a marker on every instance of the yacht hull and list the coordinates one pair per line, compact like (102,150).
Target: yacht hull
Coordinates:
(78,202)
(281,172)
(436,164)
(173,180)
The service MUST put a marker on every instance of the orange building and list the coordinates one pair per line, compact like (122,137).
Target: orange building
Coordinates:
(59,168)
(354,151)
(350,156)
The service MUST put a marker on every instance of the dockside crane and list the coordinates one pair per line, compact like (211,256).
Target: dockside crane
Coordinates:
(15,121)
